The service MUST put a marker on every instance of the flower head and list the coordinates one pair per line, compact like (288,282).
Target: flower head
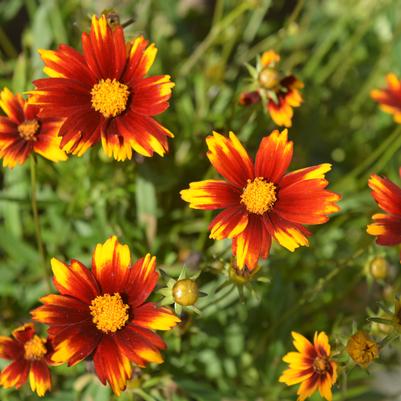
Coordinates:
(311,366)
(103,313)
(386,226)
(22,131)
(279,91)
(103,94)
(30,356)
(362,349)
(390,97)
(260,200)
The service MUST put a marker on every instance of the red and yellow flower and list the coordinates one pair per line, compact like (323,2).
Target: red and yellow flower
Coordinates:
(22,131)
(103,94)
(30,356)
(386,226)
(311,366)
(102,313)
(260,200)
(390,97)
(281,92)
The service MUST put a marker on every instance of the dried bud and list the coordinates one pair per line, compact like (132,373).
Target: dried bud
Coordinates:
(249,98)
(379,268)
(362,349)
(185,292)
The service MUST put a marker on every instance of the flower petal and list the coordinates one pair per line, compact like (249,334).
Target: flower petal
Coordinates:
(74,280)
(229,223)
(274,156)
(110,265)
(15,374)
(112,365)
(39,378)
(386,194)
(386,228)
(10,348)
(230,158)
(321,344)
(303,345)
(150,316)
(12,105)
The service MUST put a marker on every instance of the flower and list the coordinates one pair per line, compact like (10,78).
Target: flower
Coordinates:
(103,94)
(311,366)
(260,200)
(280,92)
(30,355)
(362,349)
(102,313)
(390,98)
(22,131)
(386,226)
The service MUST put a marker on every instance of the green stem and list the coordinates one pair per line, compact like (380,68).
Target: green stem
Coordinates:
(36,219)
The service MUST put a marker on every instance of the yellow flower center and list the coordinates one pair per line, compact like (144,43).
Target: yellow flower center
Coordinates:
(320,365)
(109,97)
(28,129)
(259,196)
(109,312)
(35,349)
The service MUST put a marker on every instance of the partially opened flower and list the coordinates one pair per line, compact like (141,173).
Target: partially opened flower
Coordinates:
(102,313)
(386,226)
(30,356)
(311,366)
(280,92)
(22,131)
(390,97)
(260,200)
(104,95)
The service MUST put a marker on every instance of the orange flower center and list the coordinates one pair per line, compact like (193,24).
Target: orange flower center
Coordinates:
(321,365)
(259,196)
(109,312)
(28,129)
(109,97)
(35,349)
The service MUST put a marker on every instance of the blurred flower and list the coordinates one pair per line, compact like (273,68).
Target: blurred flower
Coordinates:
(390,98)
(22,132)
(30,355)
(102,312)
(279,92)
(103,94)
(362,349)
(259,200)
(386,227)
(311,366)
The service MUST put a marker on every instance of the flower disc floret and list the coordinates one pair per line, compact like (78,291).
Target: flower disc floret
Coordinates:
(35,349)
(109,312)
(259,196)
(28,129)
(109,97)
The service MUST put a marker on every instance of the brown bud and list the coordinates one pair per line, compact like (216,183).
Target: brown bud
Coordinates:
(362,349)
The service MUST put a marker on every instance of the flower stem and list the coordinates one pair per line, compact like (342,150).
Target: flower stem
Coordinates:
(36,219)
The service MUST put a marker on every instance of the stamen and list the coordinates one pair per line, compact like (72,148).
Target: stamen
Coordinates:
(28,130)
(259,196)
(35,349)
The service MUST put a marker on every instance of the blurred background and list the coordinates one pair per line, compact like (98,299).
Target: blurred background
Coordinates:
(232,351)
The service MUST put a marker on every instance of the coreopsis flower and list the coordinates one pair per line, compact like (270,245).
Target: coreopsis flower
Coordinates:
(22,131)
(280,92)
(311,366)
(30,356)
(386,226)
(390,97)
(103,94)
(102,313)
(260,200)
(362,349)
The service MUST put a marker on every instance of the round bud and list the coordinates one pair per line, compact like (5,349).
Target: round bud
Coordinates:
(185,292)
(379,268)
(269,78)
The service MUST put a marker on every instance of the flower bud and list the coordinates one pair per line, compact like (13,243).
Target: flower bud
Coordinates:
(269,78)
(185,292)
(379,268)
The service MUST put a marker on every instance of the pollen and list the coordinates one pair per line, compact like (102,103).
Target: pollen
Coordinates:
(109,312)
(110,97)
(259,196)
(321,365)
(28,130)
(35,349)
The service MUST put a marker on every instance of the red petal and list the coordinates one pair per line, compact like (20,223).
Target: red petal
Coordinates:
(150,316)
(386,194)
(24,333)
(39,378)
(274,156)
(229,223)
(230,158)
(15,374)
(12,105)
(386,228)
(111,365)
(10,348)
